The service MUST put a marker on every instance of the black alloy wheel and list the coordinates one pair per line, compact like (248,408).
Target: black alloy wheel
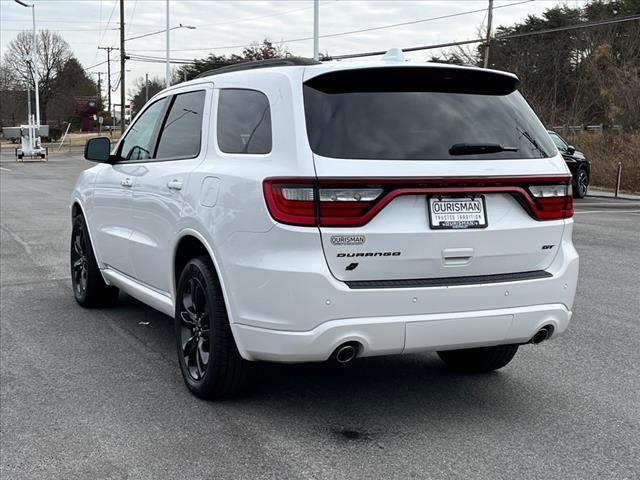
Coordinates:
(79,263)
(207,353)
(582,183)
(195,332)
(89,288)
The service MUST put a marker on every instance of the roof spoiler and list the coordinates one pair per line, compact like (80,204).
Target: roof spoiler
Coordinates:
(419,78)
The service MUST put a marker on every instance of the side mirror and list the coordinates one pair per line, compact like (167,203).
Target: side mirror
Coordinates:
(571,149)
(98,150)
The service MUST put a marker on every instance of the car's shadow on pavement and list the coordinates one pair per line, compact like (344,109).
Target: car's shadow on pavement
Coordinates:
(371,396)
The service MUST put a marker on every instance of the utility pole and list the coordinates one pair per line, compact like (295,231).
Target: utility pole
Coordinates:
(108,49)
(146,88)
(122,70)
(488,43)
(167,67)
(100,87)
(316,28)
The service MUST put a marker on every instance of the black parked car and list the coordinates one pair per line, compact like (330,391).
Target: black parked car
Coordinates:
(577,163)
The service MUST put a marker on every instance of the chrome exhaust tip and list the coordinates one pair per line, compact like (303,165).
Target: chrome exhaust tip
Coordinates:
(541,335)
(345,352)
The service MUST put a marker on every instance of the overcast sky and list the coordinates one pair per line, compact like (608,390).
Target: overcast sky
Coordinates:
(222,26)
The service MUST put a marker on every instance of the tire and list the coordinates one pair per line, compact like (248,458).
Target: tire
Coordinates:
(477,360)
(89,288)
(581,183)
(209,360)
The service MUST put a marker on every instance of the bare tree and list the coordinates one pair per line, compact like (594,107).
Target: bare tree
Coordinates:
(13,99)
(53,54)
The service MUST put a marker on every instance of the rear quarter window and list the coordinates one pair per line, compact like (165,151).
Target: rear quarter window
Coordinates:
(244,122)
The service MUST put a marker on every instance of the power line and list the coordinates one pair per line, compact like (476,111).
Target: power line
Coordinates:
(133,12)
(496,38)
(54,30)
(248,19)
(49,20)
(115,3)
(350,32)
(96,65)
(180,61)
(572,27)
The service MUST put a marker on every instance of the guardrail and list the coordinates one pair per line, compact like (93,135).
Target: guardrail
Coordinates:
(586,128)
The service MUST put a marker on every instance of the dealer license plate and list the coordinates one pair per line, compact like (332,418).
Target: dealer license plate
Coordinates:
(457,212)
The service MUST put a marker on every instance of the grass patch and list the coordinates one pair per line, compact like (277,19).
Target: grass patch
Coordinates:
(605,150)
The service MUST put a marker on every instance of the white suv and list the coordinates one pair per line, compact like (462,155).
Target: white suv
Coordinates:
(297,211)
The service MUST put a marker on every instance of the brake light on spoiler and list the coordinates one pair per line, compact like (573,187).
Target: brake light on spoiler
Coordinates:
(353,202)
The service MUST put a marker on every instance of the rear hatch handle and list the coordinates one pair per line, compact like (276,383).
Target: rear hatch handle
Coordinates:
(457,256)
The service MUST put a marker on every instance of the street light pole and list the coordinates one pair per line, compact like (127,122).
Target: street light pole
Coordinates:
(316,27)
(167,67)
(122,71)
(34,57)
(35,64)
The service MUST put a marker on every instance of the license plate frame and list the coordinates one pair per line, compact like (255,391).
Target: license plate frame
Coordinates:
(437,222)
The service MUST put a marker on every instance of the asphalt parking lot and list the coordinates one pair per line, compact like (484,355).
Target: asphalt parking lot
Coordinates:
(98,393)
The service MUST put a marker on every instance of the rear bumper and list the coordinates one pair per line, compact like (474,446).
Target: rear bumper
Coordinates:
(284,304)
(402,334)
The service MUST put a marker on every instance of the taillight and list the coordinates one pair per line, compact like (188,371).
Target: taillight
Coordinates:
(307,204)
(552,202)
(291,203)
(331,202)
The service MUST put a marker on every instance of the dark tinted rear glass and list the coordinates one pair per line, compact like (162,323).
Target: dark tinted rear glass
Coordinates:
(180,137)
(418,114)
(244,121)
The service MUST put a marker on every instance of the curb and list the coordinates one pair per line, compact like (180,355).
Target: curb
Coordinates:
(610,195)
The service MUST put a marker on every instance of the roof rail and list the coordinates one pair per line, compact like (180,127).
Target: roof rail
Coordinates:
(250,65)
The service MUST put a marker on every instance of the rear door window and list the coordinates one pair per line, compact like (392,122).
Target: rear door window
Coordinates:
(244,122)
(419,114)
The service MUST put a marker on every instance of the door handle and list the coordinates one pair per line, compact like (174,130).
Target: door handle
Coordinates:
(126,182)
(174,185)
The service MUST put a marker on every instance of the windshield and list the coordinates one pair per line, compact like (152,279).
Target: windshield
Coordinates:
(386,113)
(558,141)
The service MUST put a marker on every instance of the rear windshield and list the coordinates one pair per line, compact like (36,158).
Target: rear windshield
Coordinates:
(419,114)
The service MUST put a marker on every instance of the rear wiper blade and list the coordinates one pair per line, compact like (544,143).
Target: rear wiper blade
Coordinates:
(533,142)
(478,148)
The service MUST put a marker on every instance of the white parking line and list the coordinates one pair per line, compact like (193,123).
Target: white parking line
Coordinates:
(608,211)
(5,169)
(605,204)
